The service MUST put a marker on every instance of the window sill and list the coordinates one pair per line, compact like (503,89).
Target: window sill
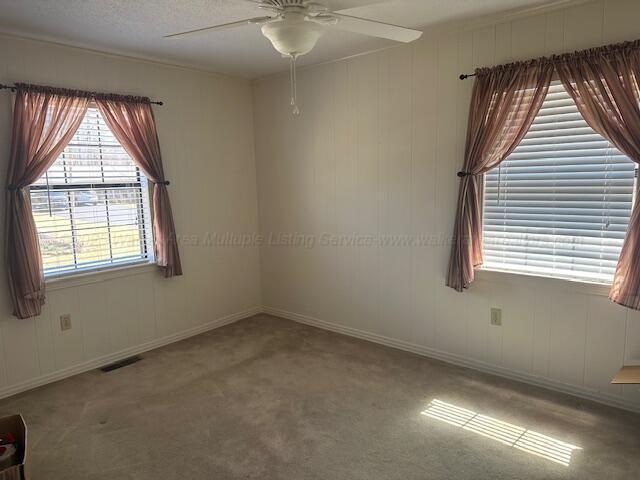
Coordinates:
(531,280)
(96,276)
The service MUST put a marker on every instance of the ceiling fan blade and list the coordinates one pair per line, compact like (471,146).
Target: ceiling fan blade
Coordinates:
(330,4)
(337,5)
(375,29)
(216,28)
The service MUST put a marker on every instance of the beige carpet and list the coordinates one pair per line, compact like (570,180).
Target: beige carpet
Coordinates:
(266,398)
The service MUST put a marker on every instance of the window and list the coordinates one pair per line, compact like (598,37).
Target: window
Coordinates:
(91,207)
(559,205)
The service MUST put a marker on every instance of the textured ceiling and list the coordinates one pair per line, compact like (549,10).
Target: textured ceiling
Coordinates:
(136,27)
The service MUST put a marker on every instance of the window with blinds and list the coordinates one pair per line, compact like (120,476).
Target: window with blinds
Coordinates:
(559,205)
(91,207)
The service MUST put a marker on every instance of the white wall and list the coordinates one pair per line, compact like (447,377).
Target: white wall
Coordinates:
(376,151)
(206,136)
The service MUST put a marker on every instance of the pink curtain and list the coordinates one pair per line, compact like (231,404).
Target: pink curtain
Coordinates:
(43,124)
(604,84)
(134,126)
(504,102)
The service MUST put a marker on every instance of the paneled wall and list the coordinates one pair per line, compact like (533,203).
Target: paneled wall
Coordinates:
(375,153)
(206,136)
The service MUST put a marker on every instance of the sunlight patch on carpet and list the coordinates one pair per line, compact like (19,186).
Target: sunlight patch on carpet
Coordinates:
(514,436)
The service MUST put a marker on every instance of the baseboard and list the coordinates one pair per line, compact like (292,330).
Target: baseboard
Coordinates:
(114,357)
(574,390)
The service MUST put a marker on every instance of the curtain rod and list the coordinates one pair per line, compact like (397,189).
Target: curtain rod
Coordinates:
(565,57)
(13,89)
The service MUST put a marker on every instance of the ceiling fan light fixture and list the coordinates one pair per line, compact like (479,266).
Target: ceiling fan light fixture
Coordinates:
(292,35)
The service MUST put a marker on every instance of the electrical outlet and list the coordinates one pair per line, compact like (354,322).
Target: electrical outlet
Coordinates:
(65,322)
(496,317)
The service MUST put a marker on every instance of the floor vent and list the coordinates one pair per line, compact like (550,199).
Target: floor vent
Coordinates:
(121,363)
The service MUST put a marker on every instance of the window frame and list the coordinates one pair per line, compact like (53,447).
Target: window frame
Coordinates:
(596,285)
(144,225)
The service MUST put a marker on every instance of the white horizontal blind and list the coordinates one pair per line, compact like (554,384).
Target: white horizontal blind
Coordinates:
(91,207)
(559,205)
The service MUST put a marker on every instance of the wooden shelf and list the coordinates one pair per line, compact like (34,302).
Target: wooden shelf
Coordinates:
(628,375)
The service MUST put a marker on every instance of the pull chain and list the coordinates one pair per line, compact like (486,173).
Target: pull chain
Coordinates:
(294,93)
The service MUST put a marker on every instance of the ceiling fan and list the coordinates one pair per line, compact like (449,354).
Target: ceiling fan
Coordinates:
(294,27)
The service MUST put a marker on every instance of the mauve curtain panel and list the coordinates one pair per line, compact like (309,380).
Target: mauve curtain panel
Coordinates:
(604,84)
(133,124)
(43,123)
(504,103)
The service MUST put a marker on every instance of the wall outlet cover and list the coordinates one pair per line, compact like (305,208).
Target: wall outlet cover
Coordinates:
(496,316)
(65,322)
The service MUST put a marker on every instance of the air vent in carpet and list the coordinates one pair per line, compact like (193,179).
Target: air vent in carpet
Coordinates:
(121,363)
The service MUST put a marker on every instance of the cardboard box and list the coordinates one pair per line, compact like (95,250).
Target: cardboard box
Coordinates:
(15,425)
(629,374)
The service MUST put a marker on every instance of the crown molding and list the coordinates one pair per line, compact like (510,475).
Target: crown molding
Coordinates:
(119,54)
